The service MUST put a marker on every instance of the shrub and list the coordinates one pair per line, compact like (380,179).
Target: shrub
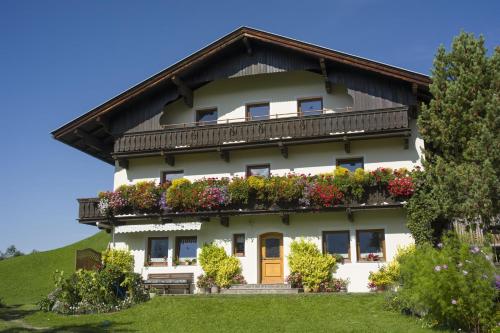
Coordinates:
(295,280)
(389,275)
(105,290)
(451,285)
(123,259)
(227,271)
(313,266)
(210,258)
(218,266)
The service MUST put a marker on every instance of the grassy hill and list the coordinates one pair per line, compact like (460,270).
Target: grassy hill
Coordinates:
(26,279)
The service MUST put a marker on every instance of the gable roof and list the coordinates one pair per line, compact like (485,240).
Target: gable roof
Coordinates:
(420,81)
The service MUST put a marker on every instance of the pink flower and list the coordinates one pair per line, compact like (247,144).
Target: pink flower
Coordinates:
(454,301)
(437,268)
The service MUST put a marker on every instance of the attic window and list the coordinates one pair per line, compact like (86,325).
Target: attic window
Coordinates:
(206,117)
(258,111)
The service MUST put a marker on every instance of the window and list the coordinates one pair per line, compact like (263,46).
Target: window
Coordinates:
(263,170)
(171,175)
(258,111)
(186,248)
(351,163)
(310,106)
(157,251)
(371,245)
(337,243)
(206,117)
(239,245)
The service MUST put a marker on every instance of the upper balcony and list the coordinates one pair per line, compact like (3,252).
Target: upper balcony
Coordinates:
(279,132)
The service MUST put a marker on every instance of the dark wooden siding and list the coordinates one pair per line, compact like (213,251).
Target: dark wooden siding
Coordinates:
(368,90)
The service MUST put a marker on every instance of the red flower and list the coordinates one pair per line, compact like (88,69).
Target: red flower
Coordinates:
(401,187)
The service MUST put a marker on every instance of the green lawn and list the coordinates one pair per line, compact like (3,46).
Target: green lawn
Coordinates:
(259,313)
(26,279)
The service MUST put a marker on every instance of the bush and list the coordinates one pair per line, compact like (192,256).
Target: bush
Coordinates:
(314,267)
(218,266)
(388,276)
(204,281)
(123,259)
(335,285)
(228,269)
(452,285)
(105,290)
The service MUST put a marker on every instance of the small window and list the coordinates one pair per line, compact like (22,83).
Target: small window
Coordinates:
(371,245)
(351,163)
(157,251)
(171,175)
(258,111)
(239,245)
(337,243)
(206,117)
(310,106)
(186,248)
(263,170)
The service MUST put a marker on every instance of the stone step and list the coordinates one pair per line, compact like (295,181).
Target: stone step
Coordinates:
(253,291)
(261,286)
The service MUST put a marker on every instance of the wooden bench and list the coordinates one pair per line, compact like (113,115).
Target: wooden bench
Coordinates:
(167,282)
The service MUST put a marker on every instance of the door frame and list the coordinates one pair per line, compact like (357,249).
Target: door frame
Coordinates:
(259,256)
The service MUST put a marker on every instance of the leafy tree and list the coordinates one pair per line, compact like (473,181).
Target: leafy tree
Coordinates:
(10,252)
(461,130)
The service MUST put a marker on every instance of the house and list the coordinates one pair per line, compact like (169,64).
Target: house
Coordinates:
(255,103)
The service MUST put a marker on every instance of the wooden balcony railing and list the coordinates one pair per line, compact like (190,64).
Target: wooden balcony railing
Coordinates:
(374,199)
(281,131)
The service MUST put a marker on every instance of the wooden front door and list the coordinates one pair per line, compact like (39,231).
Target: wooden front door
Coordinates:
(271,257)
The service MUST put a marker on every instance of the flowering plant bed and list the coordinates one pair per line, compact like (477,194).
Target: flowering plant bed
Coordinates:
(292,191)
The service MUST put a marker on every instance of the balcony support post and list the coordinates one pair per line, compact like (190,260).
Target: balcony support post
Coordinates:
(122,163)
(224,220)
(169,158)
(406,141)
(285,219)
(184,90)
(283,149)
(347,145)
(328,84)
(224,154)
(350,214)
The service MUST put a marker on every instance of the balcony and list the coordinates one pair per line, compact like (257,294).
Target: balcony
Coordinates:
(279,132)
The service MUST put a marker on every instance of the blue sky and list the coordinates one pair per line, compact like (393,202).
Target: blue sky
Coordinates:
(59,59)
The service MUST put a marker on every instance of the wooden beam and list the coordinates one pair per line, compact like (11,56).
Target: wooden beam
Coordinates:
(285,219)
(169,158)
(224,154)
(414,89)
(104,123)
(184,90)
(406,141)
(224,220)
(347,145)
(90,140)
(248,46)
(123,163)
(283,149)
(350,214)
(328,84)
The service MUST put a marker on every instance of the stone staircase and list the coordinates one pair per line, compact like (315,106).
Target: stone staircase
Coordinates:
(241,289)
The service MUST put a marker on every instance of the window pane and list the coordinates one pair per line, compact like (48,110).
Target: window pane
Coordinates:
(258,112)
(262,171)
(239,244)
(272,248)
(169,176)
(311,107)
(207,116)
(351,164)
(187,247)
(370,242)
(337,243)
(159,248)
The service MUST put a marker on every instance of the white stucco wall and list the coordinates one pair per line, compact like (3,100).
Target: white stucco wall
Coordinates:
(282,91)
(307,226)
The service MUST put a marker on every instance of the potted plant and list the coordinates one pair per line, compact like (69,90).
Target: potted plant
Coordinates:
(153,292)
(204,284)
